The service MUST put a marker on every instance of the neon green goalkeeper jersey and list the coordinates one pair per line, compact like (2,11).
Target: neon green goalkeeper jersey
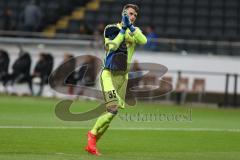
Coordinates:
(120,46)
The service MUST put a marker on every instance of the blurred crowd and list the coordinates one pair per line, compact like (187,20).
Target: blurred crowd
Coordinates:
(20,72)
(30,18)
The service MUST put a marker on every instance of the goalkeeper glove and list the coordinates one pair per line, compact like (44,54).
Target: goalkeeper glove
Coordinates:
(126,22)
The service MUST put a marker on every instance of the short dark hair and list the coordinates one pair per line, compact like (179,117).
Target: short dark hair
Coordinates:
(133,6)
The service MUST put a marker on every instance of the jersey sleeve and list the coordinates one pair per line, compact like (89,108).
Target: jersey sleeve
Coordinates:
(112,44)
(139,37)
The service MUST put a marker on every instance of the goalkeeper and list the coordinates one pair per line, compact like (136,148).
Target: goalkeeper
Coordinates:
(120,41)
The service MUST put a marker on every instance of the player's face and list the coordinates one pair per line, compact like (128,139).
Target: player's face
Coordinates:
(132,14)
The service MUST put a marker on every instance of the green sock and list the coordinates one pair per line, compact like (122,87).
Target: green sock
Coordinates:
(101,122)
(102,130)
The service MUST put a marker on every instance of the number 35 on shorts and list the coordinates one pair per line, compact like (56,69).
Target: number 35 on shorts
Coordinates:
(111,95)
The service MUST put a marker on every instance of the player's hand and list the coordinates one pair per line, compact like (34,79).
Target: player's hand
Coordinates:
(125,20)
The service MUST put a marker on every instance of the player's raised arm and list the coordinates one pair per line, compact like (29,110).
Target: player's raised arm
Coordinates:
(139,37)
(129,17)
(114,34)
(113,37)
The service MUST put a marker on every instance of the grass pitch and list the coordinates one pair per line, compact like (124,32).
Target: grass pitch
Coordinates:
(29,130)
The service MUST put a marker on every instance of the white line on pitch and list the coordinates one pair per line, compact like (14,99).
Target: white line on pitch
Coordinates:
(125,128)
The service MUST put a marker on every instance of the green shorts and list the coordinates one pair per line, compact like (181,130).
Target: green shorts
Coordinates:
(114,84)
